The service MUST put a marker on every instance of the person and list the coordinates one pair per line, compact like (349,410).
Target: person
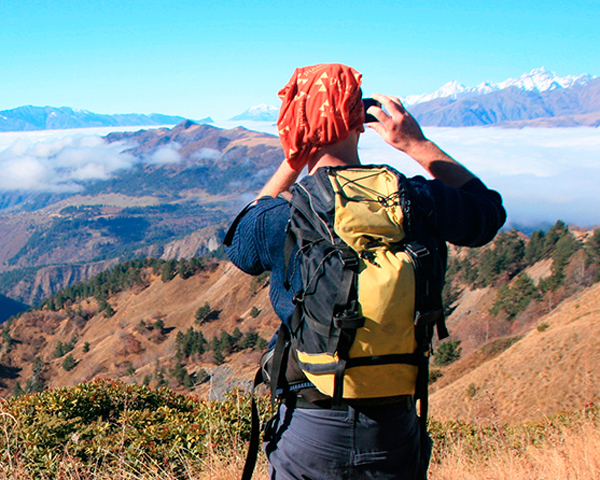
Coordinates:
(320,123)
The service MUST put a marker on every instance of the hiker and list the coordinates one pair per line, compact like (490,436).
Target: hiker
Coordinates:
(346,432)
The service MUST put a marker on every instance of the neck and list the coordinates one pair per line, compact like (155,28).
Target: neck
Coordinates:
(339,154)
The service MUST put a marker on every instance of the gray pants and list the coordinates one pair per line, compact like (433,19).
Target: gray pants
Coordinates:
(380,443)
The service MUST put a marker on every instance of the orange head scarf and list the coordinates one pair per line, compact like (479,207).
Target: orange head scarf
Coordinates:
(321,105)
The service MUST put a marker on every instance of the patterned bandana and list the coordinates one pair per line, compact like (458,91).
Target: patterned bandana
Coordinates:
(321,105)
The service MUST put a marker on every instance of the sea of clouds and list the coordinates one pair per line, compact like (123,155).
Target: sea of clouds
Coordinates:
(543,174)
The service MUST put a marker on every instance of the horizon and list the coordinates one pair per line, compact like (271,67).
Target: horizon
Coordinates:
(196,59)
(544,175)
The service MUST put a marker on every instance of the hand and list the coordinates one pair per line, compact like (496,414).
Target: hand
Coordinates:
(399,128)
(401,131)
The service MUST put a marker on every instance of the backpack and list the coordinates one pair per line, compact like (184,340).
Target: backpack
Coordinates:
(370,295)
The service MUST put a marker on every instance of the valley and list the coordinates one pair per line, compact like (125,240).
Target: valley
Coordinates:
(157,207)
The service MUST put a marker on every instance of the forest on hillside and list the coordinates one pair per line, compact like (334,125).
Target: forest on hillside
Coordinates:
(503,265)
(506,268)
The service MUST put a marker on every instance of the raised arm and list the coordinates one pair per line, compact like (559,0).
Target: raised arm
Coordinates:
(282,180)
(398,128)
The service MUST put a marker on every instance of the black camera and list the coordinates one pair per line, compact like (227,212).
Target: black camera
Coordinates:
(369,102)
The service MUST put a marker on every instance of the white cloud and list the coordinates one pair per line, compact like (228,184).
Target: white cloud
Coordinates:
(543,174)
(61,160)
(165,155)
(207,154)
(58,165)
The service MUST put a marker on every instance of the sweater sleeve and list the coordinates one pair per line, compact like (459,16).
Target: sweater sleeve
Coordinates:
(259,236)
(468,216)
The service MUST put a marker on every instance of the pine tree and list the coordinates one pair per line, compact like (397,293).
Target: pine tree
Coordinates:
(515,299)
(218,358)
(249,340)
(168,271)
(261,344)
(59,350)
(203,312)
(593,246)
(535,247)
(188,383)
(226,342)
(447,352)
(69,363)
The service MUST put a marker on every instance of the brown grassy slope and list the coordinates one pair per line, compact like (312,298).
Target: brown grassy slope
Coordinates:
(565,447)
(547,371)
(117,342)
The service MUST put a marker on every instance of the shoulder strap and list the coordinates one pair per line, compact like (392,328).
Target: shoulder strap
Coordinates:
(254,432)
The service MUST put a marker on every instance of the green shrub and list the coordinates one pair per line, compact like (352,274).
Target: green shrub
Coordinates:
(69,363)
(542,327)
(106,423)
(471,390)
(203,312)
(447,352)
(434,375)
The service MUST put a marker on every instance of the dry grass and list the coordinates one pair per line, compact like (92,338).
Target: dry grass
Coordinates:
(567,454)
(549,370)
(213,467)
(565,447)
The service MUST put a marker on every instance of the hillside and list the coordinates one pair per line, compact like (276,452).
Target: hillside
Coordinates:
(180,192)
(516,309)
(127,342)
(555,366)
(524,340)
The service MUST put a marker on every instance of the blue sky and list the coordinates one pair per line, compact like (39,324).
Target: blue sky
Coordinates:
(198,58)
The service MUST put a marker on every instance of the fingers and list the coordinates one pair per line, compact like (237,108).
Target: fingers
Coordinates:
(393,105)
(378,113)
(394,110)
(378,127)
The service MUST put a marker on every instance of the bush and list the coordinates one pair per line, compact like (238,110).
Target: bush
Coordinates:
(69,363)
(515,299)
(542,327)
(203,312)
(434,375)
(471,390)
(447,352)
(105,423)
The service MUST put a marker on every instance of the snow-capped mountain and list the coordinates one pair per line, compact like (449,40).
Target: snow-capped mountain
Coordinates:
(538,80)
(29,117)
(262,112)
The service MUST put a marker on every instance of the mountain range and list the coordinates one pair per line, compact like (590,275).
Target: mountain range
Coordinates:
(538,80)
(173,209)
(159,322)
(50,118)
(537,99)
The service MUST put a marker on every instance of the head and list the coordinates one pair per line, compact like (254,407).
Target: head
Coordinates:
(321,112)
